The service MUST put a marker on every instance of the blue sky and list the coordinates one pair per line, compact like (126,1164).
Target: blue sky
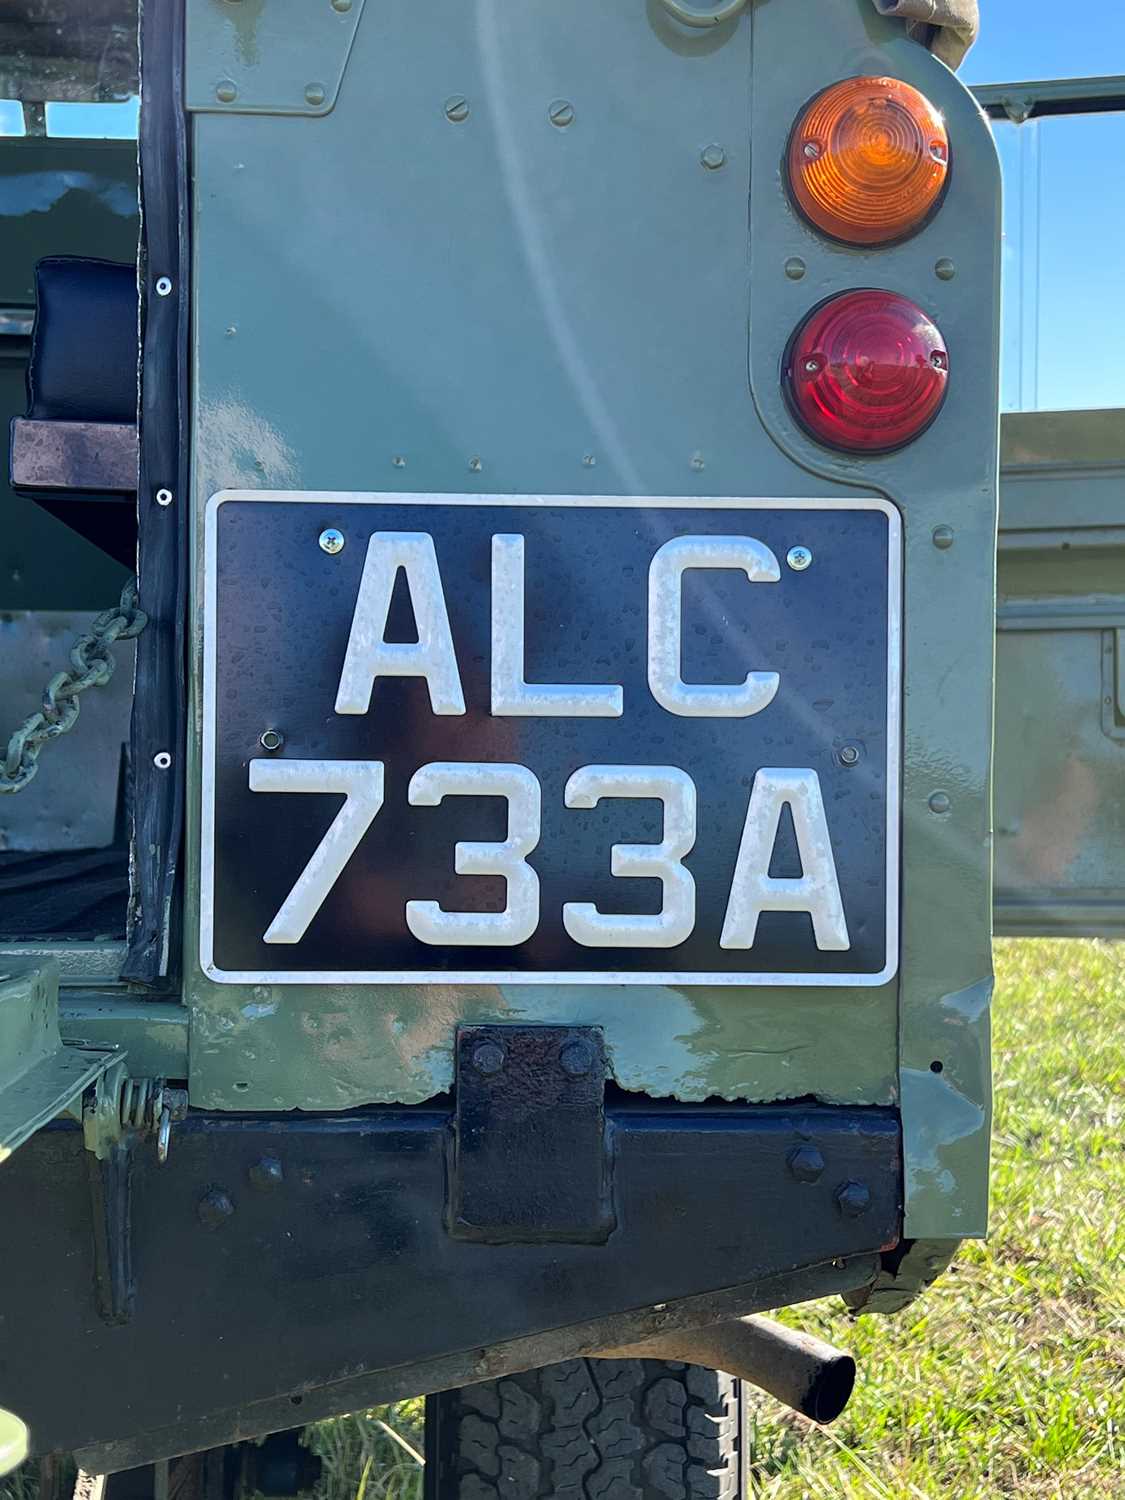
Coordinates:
(1031,39)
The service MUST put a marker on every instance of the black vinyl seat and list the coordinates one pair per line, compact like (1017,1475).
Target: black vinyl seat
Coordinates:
(75,453)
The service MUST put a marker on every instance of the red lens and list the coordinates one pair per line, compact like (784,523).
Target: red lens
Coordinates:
(867,371)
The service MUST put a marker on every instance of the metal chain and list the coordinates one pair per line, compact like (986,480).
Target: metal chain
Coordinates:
(92,665)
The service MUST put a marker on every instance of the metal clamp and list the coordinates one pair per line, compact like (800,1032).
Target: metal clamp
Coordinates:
(690,16)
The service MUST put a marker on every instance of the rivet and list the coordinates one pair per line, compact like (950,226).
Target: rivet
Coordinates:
(164,497)
(944,269)
(162,760)
(475,464)
(794,268)
(853,1199)
(805,1163)
(271,739)
(799,558)
(713,157)
(315,95)
(163,286)
(225,92)
(267,1172)
(561,113)
(943,537)
(939,802)
(214,1208)
(849,755)
(342,5)
(577,1058)
(488,1057)
(457,108)
(331,541)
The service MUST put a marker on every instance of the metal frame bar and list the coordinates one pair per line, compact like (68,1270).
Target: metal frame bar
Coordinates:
(1051,96)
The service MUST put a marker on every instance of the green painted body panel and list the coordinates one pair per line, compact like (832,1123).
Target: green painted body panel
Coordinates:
(381,282)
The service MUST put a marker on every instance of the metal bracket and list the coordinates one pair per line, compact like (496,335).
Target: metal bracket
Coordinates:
(40,1076)
(530,1159)
(284,58)
(1113,683)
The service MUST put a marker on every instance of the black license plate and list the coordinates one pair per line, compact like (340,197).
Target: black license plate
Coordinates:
(524,739)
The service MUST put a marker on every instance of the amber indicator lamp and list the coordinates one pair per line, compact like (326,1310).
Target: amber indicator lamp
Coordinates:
(868,160)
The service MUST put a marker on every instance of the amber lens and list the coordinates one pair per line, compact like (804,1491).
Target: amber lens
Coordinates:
(868,160)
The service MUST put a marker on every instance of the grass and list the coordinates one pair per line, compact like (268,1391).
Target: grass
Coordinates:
(1008,1376)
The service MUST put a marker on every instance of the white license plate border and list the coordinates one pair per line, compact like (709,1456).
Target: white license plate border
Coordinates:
(751,979)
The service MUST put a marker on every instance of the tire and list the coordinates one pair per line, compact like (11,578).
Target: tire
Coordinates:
(590,1429)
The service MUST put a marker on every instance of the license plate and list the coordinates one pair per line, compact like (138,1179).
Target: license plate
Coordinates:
(531,739)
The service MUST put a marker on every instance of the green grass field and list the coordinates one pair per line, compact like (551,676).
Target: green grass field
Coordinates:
(1008,1377)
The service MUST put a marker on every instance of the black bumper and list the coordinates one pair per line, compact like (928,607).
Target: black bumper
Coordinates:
(274,1270)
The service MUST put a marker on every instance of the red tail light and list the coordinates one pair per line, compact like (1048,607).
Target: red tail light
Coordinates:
(866,371)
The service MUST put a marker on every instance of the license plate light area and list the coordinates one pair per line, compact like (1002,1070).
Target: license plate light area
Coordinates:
(550,739)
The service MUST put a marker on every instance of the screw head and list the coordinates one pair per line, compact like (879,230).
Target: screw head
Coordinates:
(577,1058)
(810,150)
(164,497)
(799,558)
(315,95)
(940,803)
(849,755)
(163,286)
(943,537)
(225,92)
(162,760)
(271,739)
(214,1208)
(805,1163)
(853,1199)
(456,108)
(267,1172)
(813,365)
(488,1057)
(342,6)
(713,157)
(561,113)
(944,269)
(475,464)
(331,541)
(795,268)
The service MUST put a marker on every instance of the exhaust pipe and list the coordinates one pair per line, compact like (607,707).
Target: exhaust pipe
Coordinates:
(802,1372)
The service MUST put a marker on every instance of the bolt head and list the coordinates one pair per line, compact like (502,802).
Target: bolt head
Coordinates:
(577,1058)
(331,541)
(214,1208)
(853,1199)
(267,1172)
(805,1163)
(798,558)
(849,755)
(713,157)
(457,108)
(488,1058)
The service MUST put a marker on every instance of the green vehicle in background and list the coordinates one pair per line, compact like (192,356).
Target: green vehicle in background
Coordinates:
(490,358)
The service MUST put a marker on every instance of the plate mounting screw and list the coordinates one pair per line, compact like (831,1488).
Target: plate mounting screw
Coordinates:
(315,95)
(849,755)
(799,558)
(577,1058)
(164,497)
(331,541)
(162,760)
(561,113)
(271,739)
(457,108)
(163,286)
(943,537)
(488,1057)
